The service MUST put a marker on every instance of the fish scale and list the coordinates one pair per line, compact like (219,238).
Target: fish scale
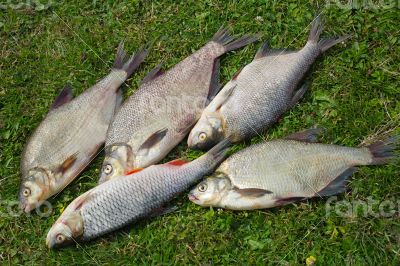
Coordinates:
(260,93)
(282,171)
(164,108)
(69,136)
(122,200)
(286,159)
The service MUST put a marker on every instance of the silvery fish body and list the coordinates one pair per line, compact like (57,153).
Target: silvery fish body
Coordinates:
(70,135)
(281,171)
(260,93)
(161,112)
(123,200)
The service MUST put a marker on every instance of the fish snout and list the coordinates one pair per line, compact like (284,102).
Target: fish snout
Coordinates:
(192,197)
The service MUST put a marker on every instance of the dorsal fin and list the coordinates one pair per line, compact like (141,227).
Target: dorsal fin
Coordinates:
(136,170)
(177,162)
(65,96)
(215,86)
(154,73)
(309,135)
(155,138)
(262,51)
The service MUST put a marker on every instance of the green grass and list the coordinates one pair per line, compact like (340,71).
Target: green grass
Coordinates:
(354,94)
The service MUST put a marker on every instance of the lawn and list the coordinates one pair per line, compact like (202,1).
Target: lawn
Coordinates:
(354,94)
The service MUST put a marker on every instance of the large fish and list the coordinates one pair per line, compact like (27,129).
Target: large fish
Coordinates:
(165,107)
(72,132)
(260,93)
(282,171)
(123,200)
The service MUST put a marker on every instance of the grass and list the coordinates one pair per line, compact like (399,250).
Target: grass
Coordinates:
(354,94)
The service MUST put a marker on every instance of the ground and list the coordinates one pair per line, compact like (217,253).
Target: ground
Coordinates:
(354,94)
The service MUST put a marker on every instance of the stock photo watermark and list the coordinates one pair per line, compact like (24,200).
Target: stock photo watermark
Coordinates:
(28,4)
(362,4)
(11,208)
(362,208)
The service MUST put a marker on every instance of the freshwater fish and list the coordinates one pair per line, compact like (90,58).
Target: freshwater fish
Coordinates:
(72,132)
(283,171)
(260,93)
(162,111)
(123,200)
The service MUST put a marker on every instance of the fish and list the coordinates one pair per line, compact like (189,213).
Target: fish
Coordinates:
(283,171)
(258,94)
(126,199)
(72,132)
(165,107)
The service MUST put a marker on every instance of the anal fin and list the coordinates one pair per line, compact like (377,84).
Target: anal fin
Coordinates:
(338,185)
(65,96)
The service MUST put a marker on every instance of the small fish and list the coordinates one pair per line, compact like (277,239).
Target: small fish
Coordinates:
(260,93)
(124,200)
(164,108)
(70,135)
(283,171)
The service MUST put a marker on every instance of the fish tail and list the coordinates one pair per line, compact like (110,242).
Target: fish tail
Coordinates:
(383,152)
(129,64)
(229,43)
(324,43)
(214,156)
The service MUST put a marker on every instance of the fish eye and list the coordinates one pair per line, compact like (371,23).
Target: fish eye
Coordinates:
(107,169)
(202,136)
(202,187)
(26,192)
(60,238)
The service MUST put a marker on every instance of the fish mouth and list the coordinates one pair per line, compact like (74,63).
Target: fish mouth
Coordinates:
(192,197)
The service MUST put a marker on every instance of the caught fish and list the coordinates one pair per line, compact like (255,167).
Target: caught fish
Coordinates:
(260,93)
(123,200)
(165,107)
(71,134)
(287,170)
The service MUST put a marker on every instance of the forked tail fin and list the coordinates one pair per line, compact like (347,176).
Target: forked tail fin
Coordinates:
(324,43)
(129,64)
(383,152)
(229,43)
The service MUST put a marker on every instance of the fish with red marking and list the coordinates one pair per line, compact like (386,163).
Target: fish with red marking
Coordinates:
(70,135)
(123,200)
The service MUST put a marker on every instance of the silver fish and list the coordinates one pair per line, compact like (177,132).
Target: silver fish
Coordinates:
(72,132)
(165,107)
(283,171)
(123,200)
(260,93)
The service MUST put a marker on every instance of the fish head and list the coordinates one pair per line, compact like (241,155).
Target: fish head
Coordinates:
(117,162)
(34,189)
(69,226)
(210,191)
(206,133)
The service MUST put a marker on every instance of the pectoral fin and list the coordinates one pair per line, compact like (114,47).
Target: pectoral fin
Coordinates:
(68,163)
(65,96)
(252,192)
(154,139)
